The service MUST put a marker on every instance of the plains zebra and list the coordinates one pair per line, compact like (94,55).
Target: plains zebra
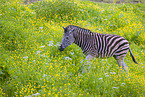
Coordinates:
(96,44)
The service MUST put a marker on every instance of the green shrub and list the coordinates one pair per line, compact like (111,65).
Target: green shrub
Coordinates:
(52,10)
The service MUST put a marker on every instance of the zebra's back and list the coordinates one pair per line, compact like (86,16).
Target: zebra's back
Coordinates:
(106,45)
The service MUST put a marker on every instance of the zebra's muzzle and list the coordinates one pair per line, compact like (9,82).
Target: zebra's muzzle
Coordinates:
(61,48)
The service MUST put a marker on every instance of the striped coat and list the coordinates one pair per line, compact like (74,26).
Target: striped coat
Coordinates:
(96,44)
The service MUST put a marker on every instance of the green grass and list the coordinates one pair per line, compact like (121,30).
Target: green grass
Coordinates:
(31,63)
(121,1)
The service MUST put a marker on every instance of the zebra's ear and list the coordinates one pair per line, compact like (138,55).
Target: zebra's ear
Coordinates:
(64,29)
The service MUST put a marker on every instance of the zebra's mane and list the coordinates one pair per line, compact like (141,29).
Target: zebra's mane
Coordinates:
(79,28)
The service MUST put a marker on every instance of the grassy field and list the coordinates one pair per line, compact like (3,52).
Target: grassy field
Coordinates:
(32,66)
(120,1)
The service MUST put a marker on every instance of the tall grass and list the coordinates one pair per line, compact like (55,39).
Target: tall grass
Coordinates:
(32,65)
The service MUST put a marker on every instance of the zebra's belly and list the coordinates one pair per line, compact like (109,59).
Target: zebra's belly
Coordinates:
(102,56)
(97,54)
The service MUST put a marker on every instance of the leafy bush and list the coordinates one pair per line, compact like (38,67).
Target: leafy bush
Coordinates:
(52,10)
(12,36)
(4,68)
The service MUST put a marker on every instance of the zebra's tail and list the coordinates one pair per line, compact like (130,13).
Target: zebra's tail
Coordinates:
(133,58)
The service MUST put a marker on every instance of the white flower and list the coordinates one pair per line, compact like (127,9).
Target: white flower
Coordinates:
(32,12)
(0,14)
(113,72)
(57,44)
(50,43)
(16,92)
(73,64)
(26,57)
(68,58)
(114,87)
(33,60)
(2,72)
(38,52)
(71,53)
(107,75)
(70,73)
(41,27)
(44,75)
(43,55)
(100,78)
(28,96)
(123,83)
(99,29)
(105,19)
(49,60)
(102,10)
(81,10)
(36,94)
(42,46)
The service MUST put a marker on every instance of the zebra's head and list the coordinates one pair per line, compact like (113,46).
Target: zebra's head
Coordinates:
(68,38)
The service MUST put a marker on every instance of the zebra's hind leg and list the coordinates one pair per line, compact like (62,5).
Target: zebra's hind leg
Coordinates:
(121,64)
(125,67)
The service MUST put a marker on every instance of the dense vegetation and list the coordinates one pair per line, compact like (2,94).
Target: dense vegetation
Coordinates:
(31,63)
(120,1)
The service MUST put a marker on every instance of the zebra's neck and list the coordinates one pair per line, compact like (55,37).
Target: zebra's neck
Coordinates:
(81,38)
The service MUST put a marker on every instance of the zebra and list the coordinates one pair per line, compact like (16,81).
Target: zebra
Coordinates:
(97,44)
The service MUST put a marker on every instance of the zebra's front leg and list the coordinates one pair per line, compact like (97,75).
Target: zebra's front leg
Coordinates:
(86,65)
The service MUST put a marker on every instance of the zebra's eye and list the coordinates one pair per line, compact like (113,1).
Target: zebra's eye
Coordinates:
(66,37)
